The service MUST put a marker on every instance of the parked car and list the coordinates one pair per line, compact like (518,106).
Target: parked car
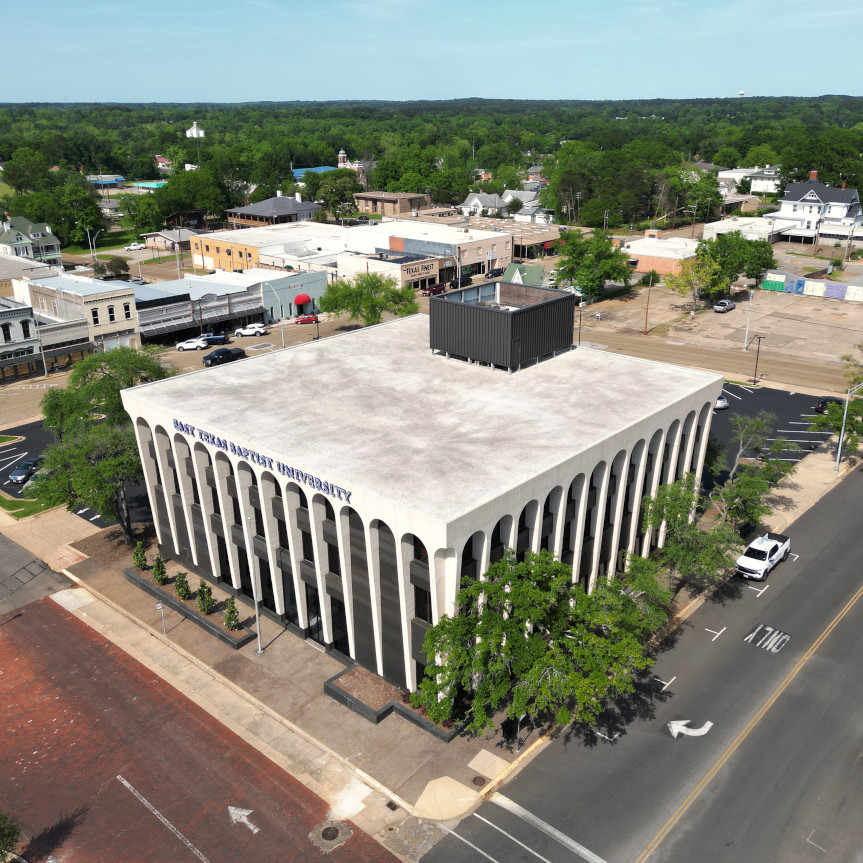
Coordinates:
(223,355)
(431,290)
(724,305)
(25,470)
(721,403)
(215,338)
(195,344)
(306,319)
(455,284)
(762,554)
(134,247)
(496,273)
(823,404)
(137,281)
(251,330)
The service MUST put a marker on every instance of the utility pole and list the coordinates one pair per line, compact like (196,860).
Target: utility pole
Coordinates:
(694,218)
(757,354)
(647,306)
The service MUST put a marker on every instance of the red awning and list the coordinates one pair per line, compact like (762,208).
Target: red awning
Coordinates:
(302,299)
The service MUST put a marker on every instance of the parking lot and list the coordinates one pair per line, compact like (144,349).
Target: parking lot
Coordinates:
(793,413)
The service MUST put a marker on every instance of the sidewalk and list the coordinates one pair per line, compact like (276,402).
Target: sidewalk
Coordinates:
(395,781)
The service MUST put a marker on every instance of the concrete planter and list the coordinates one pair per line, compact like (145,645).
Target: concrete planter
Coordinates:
(242,637)
(334,691)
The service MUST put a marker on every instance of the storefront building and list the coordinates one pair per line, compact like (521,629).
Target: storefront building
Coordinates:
(354,509)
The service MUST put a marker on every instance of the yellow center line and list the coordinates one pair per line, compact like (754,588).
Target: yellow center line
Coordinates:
(735,744)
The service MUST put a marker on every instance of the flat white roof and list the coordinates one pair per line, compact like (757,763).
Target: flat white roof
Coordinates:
(676,248)
(376,409)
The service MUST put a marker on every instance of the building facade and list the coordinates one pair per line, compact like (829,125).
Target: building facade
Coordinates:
(817,210)
(664,256)
(391,203)
(354,512)
(107,308)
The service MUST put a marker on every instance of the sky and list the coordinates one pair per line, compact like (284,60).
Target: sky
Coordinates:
(310,50)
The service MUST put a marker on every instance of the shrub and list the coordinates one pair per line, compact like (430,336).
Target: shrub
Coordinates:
(206,603)
(159,572)
(651,277)
(139,556)
(232,616)
(181,585)
(10,833)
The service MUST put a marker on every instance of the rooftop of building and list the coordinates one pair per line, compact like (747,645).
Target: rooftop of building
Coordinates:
(676,248)
(388,196)
(17,267)
(82,285)
(823,192)
(280,205)
(435,435)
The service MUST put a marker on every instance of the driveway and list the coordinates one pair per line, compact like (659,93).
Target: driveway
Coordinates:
(24,578)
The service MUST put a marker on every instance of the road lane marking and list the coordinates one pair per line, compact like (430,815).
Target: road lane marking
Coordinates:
(809,840)
(562,838)
(771,639)
(510,836)
(470,844)
(747,730)
(681,726)
(165,821)
(606,737)
(795,556)
(715,633)
(758,590)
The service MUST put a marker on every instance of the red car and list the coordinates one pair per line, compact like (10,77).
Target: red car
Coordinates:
(306,319)
(433,289)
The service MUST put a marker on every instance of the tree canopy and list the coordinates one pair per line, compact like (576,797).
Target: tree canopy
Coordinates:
(530,642)
(367,296)
(94,460)
(589,262)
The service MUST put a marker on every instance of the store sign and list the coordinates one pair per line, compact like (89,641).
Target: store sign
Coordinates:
(293,473)
(417,271)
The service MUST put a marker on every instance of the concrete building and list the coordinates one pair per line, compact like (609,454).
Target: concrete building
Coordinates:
(353,511)
(391,203)
(15,267)
(316,247)
(280,210)
(665,256)
(107,307)
(20,352)
(168,240)
(21,238)
(178,309)
(771,229)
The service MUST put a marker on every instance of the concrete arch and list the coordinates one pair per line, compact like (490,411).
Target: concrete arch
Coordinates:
(501,538)
(572,522)
(550,522)
(391,579)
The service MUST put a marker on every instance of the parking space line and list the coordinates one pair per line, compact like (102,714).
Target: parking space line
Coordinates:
(470,844)
(715,633)
(513,807)
(510,836)
(165,821)
(739,398)
(666,684)
(758,590)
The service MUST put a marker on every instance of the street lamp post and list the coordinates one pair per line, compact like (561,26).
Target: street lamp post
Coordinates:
(95,237)
(851,391)
(281,309)
(748,316)
(647,305)
(757,354)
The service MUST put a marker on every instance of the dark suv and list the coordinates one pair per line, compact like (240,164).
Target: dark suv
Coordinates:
(455,284)
(215,338)
(223,355)
(823,404)
(496,273)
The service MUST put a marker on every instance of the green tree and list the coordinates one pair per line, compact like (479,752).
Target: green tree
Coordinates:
(588,263)
(71,210)
(832,421)
(727,157)
(141,212)
(693,556)
(311,184)
(28,171)
(760,155)
(10,834)
(95,461)
(367,297)
(701,276)
(336,192)
(514,206)
(529,641)
(114,267)
(759,259)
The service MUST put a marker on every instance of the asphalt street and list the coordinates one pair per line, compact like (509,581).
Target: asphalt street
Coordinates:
(105,762)
(766,678)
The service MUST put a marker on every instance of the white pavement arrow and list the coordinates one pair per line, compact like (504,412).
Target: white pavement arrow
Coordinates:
(241,816)
(681,726)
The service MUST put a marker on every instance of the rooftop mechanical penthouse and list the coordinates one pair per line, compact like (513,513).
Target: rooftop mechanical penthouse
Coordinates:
(351,483)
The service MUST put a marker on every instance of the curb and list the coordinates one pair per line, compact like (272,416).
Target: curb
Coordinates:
(251,699)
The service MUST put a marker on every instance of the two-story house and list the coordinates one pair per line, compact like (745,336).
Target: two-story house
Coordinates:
(818,210)
(19,237)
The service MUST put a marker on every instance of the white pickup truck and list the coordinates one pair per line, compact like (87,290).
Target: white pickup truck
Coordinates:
(762,554)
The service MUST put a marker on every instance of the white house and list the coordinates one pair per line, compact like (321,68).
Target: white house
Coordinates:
(765,181)
(818,210)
